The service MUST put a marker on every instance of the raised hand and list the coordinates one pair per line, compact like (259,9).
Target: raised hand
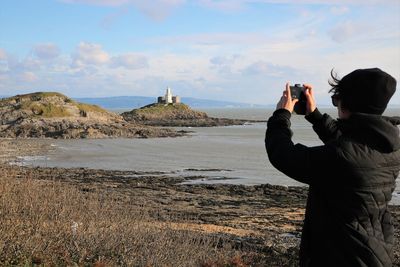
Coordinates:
(286,100)
(311,104)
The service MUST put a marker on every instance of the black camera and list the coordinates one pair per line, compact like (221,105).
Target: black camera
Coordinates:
(297,92)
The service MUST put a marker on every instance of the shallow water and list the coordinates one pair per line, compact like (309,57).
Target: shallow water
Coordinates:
(237,150)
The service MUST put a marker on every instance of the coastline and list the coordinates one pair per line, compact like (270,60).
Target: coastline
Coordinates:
(261,223)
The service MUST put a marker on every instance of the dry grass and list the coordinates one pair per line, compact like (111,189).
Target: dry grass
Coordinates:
(170,111)
(90,108)
(49,110)
(33,96)
(39,106)
(52,223)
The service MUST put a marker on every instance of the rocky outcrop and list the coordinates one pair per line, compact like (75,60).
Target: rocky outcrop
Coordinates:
(175,115)
(53,115)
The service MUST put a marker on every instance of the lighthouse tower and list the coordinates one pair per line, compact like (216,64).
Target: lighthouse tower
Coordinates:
(168,96)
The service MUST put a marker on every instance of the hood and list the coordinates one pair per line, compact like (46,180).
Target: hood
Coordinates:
(376,131)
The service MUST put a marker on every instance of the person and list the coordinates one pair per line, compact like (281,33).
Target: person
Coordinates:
(351,176)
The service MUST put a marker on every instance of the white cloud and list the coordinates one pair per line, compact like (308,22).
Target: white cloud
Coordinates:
(299,2)
(383,57)
(89,54)
(99,2)
(129,61)
(28,77)
(226,5)
(339,10)
(111,18)
(16,65)
(3,54)
(237,5)
(223,60)
(46,51)
(155,9)
(213,39)
(124,2)
(266,68)
(348,30)
(158,9)
(30,64)
(178,66)
(206,65)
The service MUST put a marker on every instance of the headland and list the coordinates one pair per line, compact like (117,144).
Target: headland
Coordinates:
(53,115)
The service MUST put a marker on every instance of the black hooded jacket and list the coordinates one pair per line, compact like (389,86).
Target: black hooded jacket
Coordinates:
(351,179)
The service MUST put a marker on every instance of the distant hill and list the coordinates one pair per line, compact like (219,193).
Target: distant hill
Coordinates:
(118,102)
(131,102)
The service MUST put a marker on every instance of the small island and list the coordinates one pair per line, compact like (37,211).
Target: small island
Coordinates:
(54,115)
(171,112)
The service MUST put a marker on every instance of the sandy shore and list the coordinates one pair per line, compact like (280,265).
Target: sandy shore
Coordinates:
(263,220)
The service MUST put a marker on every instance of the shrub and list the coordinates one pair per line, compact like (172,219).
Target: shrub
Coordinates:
(57,224)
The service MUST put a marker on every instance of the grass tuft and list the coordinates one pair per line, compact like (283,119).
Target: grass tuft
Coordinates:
(47,110)
(89,108)
(51,223)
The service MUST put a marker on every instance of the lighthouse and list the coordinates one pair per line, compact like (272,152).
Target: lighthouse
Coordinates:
(168,96)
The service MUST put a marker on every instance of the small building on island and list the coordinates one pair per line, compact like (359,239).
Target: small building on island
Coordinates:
(169,98)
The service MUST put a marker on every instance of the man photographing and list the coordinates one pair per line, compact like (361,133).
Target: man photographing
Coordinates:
(351,177)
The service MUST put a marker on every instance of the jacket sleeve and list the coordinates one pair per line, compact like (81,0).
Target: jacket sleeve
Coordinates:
(304,164)
(325,127)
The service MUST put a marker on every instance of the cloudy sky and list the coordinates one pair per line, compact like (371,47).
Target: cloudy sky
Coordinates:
(236,50)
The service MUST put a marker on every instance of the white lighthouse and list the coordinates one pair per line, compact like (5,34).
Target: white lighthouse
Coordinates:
(168,96)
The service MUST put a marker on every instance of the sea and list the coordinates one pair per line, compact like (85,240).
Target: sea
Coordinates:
(228,155)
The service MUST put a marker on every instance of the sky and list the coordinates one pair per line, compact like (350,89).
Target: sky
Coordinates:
(231,50)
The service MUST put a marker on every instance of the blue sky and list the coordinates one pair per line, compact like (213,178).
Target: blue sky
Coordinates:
(236,50)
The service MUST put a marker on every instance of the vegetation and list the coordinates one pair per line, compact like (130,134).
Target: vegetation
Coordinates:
(34,97)
(42,104)
(89,108)
(162,111)
(52,223)
(175,115)
(47,110)
(164,107)
(157,109)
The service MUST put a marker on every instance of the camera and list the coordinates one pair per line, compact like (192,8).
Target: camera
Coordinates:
(297,92)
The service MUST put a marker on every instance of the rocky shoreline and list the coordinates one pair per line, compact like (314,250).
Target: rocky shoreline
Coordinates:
(53,115)
(67,129)
(177,115)
(265,220)
(207,122)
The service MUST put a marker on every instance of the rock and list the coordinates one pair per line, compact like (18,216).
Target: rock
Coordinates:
(176,115)
(53,115)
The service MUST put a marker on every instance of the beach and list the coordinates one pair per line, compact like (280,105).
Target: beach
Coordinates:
(118,218)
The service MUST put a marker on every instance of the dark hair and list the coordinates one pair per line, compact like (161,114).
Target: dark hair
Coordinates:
(336,90)
(334,83)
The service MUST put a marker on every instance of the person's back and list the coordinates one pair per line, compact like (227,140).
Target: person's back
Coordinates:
(351,177)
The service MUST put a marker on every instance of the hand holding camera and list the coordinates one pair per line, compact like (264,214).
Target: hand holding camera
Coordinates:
(297,92)
(298,98)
